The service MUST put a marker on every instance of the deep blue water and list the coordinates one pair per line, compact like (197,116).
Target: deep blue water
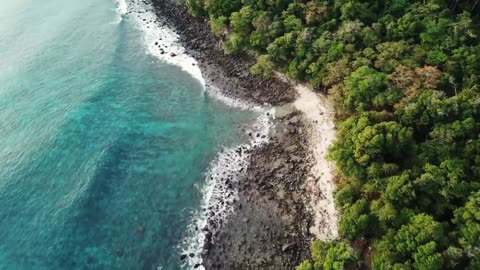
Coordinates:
(100,143)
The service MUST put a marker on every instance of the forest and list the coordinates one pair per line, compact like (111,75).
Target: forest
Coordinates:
(404,76)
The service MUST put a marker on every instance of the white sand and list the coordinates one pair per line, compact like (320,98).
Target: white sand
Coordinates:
(319,114)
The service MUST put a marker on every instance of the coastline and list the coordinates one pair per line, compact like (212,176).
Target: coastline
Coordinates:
(269,227)
(268,217)
(319,115)
(229,73)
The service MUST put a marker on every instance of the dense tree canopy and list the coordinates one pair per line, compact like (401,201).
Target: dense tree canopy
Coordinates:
(404,75)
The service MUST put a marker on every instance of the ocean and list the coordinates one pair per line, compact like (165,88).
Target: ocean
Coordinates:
(110,151)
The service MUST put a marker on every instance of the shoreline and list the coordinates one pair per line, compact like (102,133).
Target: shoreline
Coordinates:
(319,113)
(228,73)
(269,227)
(273,217)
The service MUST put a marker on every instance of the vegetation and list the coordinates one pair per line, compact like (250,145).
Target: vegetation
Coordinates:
(330,256)
(404,74)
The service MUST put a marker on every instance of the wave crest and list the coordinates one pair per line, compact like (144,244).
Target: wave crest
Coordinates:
(163,43)
(121,10)
(219,192)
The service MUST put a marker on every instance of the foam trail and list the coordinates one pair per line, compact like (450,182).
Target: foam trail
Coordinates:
(163,43)
(219,192)
(230,101)
(121,10)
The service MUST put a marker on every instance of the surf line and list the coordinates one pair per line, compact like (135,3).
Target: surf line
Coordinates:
(219,191)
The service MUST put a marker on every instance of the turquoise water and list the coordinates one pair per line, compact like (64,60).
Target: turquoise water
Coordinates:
(101,144)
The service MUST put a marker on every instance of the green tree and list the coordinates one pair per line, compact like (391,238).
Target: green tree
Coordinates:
(241,21)
(306,265)
(400,189)
(219,8)
(468,220)
(218,25)
(263,66)
(354,220)
(355,10)
(235,43)
(427,257)
(421,230)
(292,23)
(196,7)
(361,87)
(333,255)
(386,141)
(340,256)
(392,54)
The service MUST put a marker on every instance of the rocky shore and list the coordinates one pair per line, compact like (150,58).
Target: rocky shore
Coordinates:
(270,225)
(230,73)
(269,228)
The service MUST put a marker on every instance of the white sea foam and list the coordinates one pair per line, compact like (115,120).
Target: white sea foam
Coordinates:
(121,10)
(219,191)
(216,93)
(163,43)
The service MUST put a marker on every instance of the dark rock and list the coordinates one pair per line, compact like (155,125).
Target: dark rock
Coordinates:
(209,235)
(207,245)
(288,247)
